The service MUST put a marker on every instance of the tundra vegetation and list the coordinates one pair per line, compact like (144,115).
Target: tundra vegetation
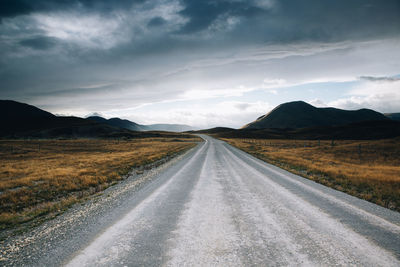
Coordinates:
(366,169)
(41,178)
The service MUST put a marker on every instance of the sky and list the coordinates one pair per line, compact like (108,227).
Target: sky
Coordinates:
(204,63)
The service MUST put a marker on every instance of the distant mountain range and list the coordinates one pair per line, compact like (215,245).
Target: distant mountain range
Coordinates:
(127,124)
(117,122)
(170,127)
(21,120)
(293,120)
(298,114)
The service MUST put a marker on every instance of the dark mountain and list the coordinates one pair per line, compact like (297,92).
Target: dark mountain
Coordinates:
(127,124)
(393,116)
(97,119)
(117,122)
(295,115)
(170,127)
(21,120)
(17,117)
(215,130)
(366,130)
(14,112)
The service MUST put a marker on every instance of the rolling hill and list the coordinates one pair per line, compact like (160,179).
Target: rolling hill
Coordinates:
(366,130)
(299,120)
(170,127)
(14,112)
(298,114)
(117,122)
(393,116)
(127,124)
(21,120)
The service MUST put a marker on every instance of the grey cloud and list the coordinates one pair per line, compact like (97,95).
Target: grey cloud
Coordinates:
(77,92)
(154,42)
(281,21)
(242,106)
(288,21)
(202,14)
(379,79)
(39,43)
(12,8)
(157,21)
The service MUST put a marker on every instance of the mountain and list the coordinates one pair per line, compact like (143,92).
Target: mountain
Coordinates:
(215,130)
(13,111)
(366,130)
(17,117)
(170,127)
(393,116)
(21,120)
(117,122)
(298,114)
(127,124)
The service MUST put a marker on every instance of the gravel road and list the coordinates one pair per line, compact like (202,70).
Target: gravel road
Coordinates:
(214,206)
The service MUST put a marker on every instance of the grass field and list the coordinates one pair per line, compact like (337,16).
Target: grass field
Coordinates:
(46,176)
(366,169)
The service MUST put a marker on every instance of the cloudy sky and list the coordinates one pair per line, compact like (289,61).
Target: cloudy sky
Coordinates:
(199,62)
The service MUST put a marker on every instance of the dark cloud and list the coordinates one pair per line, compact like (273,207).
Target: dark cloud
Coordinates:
(286,20)
(226,23)
(39,43)
(12,8)
(146,38)
(338,19)
(157,21)
(380,79)
(202,14)
(258,21)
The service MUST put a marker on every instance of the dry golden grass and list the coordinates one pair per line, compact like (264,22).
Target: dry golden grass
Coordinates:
(366,169)
(44,176)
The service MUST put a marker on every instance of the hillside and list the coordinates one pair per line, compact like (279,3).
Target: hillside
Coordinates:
(13,110)
(367,130)
(169,127)
(298,114)
(215,130)
(117,122)
(127,124)
(21,117)
(25,121)
(393,116)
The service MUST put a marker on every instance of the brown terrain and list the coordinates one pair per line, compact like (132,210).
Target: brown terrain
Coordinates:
(41,178)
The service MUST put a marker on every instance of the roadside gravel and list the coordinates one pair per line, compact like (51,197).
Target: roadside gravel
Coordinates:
(83,220)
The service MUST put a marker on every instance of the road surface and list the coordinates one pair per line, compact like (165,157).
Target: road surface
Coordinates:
(219,206)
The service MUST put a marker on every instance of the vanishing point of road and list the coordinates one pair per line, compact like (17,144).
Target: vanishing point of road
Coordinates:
(219,206)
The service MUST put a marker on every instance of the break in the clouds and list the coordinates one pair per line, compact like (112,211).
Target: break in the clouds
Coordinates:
(380,93)
(204,63)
